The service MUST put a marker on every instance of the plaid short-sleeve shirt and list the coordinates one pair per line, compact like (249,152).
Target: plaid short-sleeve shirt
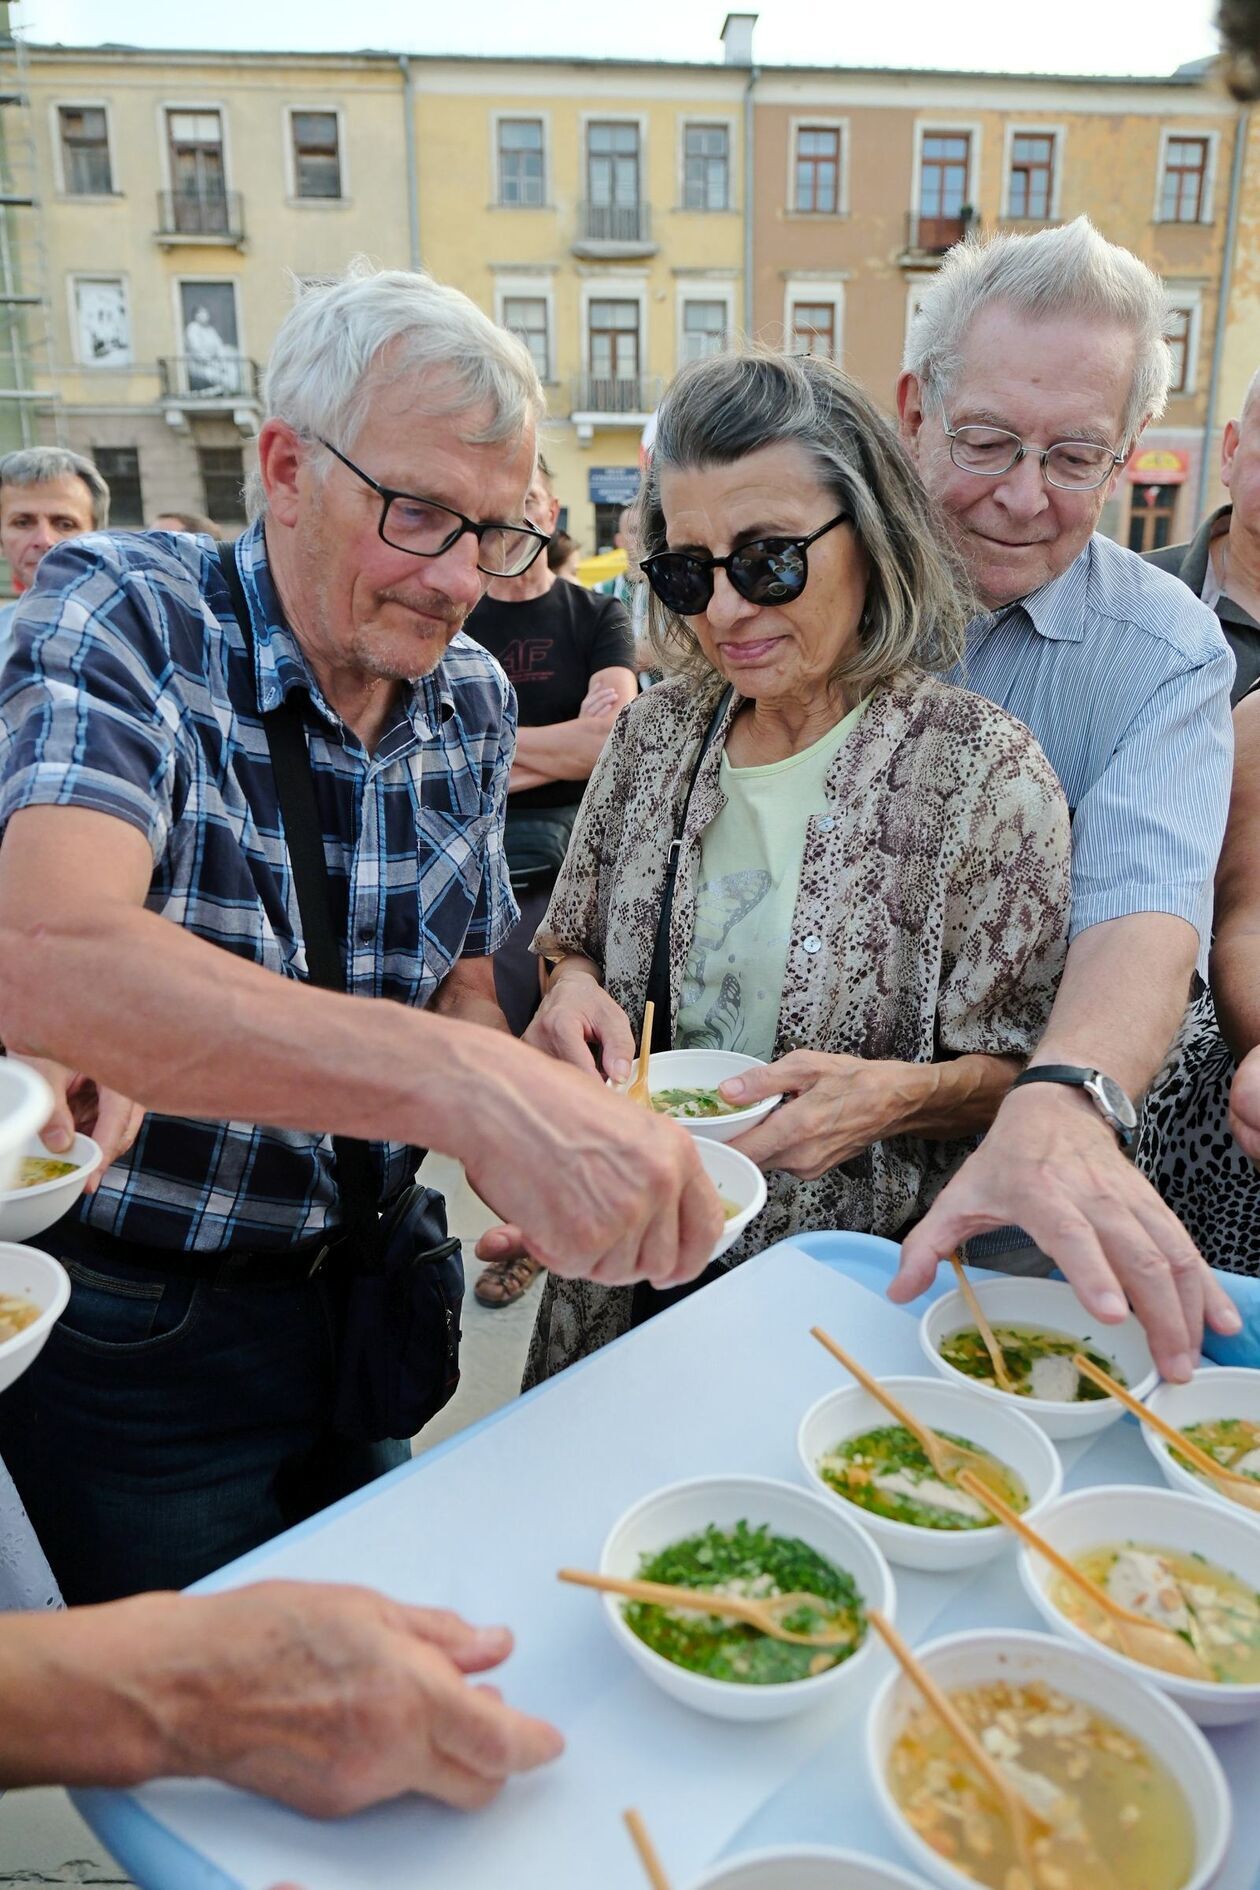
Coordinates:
(130,689)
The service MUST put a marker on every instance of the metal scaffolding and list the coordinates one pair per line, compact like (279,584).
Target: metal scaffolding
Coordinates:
(30,405)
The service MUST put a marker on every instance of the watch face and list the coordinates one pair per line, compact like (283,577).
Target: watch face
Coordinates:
(1117,1102)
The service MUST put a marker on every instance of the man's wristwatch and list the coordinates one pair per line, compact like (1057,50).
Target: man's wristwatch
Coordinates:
(1103,1091)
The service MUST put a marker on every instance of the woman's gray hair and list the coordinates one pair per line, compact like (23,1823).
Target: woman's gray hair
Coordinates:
(37,465)
(343,342)
(721,409)
(1072,270)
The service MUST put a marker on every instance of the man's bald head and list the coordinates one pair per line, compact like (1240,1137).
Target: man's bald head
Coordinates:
(1240,462)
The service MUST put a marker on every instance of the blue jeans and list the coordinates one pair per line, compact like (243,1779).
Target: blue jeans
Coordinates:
(170,1423)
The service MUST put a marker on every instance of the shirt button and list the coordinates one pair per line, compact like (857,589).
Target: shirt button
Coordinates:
(812,944)
(367,933)
(827,822)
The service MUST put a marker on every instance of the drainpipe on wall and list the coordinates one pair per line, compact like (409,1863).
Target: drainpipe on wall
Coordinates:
(1206,456)
(413,179)
(749,176)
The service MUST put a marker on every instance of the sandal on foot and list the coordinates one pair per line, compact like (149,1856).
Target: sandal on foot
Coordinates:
(504,1281)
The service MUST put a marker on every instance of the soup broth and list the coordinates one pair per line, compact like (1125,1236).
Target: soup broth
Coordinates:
(16,1313)
(38,1168)
(1233,1442)
(1210,1608)
(749,1562)
(690,1104)
(887,1472)
(1038,1358)
(1117,1814)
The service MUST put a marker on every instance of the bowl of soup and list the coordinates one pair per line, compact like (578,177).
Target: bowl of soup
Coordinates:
(46,1186)
(34,1289)
(26,1103)
(1130,1783)
(741,1189)
(852,1451)
(806,1867)
(750,1536)
(684,1085)
(1219,1410)
(1174,1560)
(1039,1324)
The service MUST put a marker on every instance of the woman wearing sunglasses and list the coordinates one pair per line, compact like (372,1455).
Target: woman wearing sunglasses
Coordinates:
(872,872)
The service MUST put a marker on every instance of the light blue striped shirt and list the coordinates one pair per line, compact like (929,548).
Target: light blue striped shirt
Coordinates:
(1124,678)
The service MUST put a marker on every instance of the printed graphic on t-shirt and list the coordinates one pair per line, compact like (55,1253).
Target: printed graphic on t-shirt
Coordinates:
(528,660)
(723,906)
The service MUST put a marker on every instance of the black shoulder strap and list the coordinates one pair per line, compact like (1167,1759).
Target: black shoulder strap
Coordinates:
(658,974)
(304,838)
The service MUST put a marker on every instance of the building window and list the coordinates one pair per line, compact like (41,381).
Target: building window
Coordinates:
(102,322)
(1184,189)
(612,182)
(198,178)
(817,187)
(223,482)
(316,154)
(814,329)
(85,151)
(526,317)
(1032,175)
(1151,515)
(1177,335)
(613,344)
(944,175)
(703,329)
(706,167)
(521,176)
(119,467)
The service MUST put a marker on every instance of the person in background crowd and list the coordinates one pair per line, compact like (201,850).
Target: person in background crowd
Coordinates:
(195,522)
(562,557)
(150,938)
(631,592)
(47,494)
(569,655)
(1221,563)
(1031,368)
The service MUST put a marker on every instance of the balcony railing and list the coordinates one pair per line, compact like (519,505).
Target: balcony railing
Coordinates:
(623,223)
(208,216)
(624,394)
(205,379)
(932,236)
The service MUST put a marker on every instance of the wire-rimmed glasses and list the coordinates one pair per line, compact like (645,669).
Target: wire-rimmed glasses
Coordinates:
(426,528)
(1071,465)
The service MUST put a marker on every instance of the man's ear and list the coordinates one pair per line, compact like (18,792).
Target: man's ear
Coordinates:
(280,460)
(909,410)
(1229,446)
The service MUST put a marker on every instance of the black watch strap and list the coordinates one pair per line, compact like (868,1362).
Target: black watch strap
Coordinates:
(1111,1102)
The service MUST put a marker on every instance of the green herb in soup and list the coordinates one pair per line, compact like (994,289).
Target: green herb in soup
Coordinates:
(1210,1608)
(887,1472)
(1038,1358)
(1233,1442)
(1116,1814)
(754,1563)
(691,1105)
(38,1168)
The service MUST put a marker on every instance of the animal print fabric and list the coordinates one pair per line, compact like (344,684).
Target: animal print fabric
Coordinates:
(930,921)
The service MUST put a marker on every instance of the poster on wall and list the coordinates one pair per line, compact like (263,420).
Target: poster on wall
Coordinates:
(210,346)
(102,322)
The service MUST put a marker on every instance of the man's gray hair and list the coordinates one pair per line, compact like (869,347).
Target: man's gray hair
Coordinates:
(720,410)
(344,342)
(37,465)
(1072,270)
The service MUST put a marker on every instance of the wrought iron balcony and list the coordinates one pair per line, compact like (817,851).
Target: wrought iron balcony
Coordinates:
(200,216)
(616,398)
(208,380)
(614,229)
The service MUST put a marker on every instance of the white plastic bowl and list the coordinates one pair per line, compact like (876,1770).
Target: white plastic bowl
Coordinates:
(38,1277)
(705,1069)
(684,1509)
(28,1211)
(26,1102)
(804,1867)
(1006,1434)
(738,1181)
(1214,1392)
(1160,1519)
(1052,1303)
(975,1659)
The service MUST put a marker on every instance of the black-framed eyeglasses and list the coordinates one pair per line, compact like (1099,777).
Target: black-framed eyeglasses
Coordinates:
(764,571)
(1071,465)
(427,529)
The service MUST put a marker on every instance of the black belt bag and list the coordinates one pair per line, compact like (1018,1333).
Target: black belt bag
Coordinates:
(403,1275)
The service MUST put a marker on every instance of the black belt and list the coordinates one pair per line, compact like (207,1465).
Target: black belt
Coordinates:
(229,1266)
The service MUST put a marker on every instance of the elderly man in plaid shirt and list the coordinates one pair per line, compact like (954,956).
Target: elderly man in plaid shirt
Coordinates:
(180,1412)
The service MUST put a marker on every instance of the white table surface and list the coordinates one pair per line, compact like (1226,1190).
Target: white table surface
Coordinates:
(718,1385)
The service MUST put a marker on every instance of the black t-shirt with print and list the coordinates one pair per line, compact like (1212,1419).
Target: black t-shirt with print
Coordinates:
(550,647)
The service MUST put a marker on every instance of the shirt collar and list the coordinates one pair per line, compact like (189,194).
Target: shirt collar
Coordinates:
(280,665)
(1056,611)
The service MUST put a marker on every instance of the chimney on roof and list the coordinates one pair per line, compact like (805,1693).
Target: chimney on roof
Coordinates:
(737,32)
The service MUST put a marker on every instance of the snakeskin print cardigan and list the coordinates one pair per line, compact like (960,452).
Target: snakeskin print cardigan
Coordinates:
(931,921)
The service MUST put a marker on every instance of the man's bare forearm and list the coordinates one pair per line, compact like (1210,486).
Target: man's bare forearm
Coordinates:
(1124,991)
(951,1101)
(1236,987)
(74,1711)
(563,751)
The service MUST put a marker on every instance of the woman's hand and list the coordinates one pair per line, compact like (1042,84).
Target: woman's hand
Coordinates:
(578,1023)
(834,1107)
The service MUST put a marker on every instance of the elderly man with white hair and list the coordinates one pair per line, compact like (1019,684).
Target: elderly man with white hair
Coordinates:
(157,947)
(1031,369)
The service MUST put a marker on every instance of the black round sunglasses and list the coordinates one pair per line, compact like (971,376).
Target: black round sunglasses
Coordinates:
(765,571)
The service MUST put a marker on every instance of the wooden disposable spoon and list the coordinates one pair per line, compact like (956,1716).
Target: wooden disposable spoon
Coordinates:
(765,1615)
(1235,1484)
(991,1346)
(652,1867)
(1136,1634)
(945,1458)
(640,1090)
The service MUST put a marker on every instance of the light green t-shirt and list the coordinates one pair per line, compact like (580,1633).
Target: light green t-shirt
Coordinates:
(750,870)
